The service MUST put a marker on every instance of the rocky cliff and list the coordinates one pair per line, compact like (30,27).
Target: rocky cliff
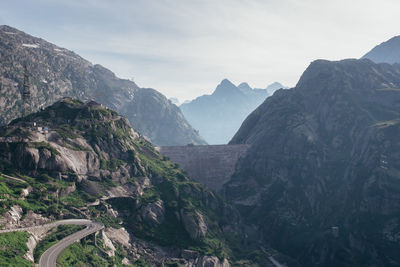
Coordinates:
(84,160)
(321,178)
(55,72)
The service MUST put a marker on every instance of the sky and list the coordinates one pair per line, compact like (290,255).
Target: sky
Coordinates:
(184,48)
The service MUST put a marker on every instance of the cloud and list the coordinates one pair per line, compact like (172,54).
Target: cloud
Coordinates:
(184,48)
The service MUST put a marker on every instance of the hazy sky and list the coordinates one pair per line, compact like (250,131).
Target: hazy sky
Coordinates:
(184,48)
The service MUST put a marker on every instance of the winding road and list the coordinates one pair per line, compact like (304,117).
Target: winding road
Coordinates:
(49,257)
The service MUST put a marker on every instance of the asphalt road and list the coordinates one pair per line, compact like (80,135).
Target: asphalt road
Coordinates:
(49,257)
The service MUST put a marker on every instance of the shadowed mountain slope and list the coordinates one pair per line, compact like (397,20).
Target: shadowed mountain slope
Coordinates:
(386,52)
(321,179)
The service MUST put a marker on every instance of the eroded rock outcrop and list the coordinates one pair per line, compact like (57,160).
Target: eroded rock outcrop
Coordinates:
(194,224)
(207,261)
(153,213)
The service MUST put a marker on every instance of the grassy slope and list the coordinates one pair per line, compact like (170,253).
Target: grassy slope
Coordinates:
(12,249)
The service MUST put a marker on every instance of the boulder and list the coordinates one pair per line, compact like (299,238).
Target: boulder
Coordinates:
(212,261)
(153,213)
(194,224)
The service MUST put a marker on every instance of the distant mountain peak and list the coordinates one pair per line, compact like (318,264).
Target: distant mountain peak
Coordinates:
(276,84)
(219,115)
(225,87)
(386,52)
(226,82)
(274,87)
(244,87)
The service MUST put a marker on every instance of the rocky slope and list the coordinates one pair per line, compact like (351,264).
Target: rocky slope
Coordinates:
(321,179)
(56,72)
(219,115)
(386,52)
(84,160)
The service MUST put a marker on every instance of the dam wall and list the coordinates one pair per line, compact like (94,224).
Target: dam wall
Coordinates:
(211,165)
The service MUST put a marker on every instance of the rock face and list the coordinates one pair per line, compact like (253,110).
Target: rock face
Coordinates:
(82,141)
(153,213)
(212,262)
(84,160)
(386,52)
(211,166)
(157,254)
(219,115)
(56,72)
(158,119)
(194,224)
(321,179)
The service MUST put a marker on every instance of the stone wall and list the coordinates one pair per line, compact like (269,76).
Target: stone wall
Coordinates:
(209,165)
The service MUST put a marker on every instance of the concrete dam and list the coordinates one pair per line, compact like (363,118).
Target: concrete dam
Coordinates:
(211,165)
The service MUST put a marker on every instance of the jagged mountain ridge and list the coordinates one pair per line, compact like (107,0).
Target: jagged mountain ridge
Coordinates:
(83,154)
(56,72)
(321,179)
(386,52)
(219,115)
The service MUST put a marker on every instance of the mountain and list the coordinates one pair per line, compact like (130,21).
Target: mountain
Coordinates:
(386,52)
(82,160)
(274,87)
(219,115)
(321,178)
(174,101)
(55,72)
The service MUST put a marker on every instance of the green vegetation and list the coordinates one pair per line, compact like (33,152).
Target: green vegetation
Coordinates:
(59,233)
(110,138)
(17,132)
(77,199)
(86,253)
(82,255)
(65,131)
(111,165)
(67,109)
(10,191)
(13,248)
(75,147)
(45,145)
(178,193)
(43,198)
